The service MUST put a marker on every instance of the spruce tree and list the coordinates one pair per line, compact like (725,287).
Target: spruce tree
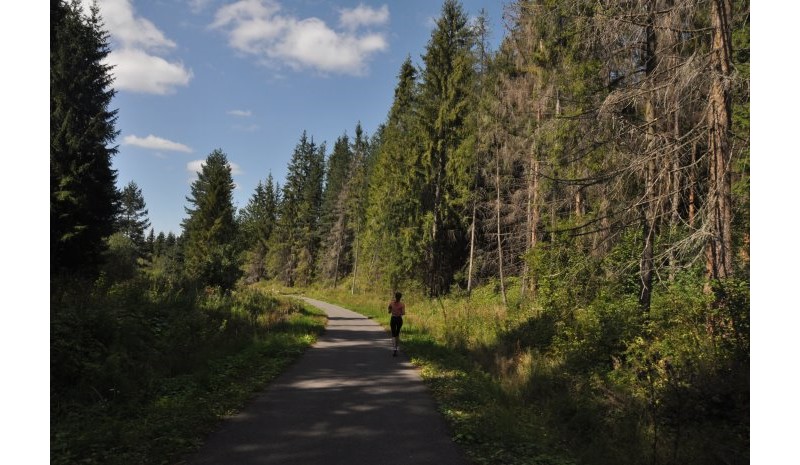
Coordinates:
(159,245)
(336,176)
(151,243)
(132,219)
(295,241)
(354,203)
(447,160)
(83,196)
(394,206)
(257,220)
(334,257)
(210,230)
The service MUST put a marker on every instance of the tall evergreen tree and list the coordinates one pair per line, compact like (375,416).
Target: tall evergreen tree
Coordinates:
(355,201)
(83,197)
(132,219)
(334,259)
(151,243)
(539,124)
(210,230)
(447,160)
(336,176)
(257,221)
(295,241)
(393,218)
(159,244)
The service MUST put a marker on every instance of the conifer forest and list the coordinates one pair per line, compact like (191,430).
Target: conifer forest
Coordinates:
(568,214)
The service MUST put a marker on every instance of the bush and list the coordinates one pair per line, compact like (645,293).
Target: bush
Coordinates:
(137,360)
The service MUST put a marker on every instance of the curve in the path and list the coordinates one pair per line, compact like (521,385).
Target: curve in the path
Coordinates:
(346,401)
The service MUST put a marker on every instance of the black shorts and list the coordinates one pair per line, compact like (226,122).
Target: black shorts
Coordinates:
(396,323)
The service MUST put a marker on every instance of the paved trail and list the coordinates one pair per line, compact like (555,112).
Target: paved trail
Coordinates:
(346,401)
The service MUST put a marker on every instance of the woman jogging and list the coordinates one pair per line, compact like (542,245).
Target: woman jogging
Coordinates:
(397,309)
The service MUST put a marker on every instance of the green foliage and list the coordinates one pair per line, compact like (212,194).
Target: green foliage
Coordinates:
(446,162)
(295,241)
(166,265)
(211,255)
(392,228)
(570,365)
(83,196)
(141,376)
(575,377)
(256,223)
(121,258)
(336,258)
(132,218)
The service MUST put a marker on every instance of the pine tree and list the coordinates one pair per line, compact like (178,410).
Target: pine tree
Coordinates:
(132,219)
(83,197)
(210,230)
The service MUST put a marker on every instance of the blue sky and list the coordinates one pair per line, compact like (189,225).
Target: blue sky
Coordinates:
(248,77)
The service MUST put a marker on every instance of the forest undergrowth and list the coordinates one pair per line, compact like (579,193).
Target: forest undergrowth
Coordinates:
(600,384)
(141,374)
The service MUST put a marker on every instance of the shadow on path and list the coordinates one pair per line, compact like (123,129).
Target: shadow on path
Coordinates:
(346,401)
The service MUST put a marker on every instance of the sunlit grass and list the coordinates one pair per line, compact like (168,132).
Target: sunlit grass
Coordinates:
(480,393)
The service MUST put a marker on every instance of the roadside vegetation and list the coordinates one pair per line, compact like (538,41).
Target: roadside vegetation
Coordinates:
(594,385)
(141,376)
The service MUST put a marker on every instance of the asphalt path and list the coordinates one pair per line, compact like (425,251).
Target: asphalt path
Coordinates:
(346,401)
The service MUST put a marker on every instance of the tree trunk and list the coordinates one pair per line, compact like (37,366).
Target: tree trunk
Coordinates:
(533,217)
(471,248)
(435,258)
(338,254)
(675,177)
(528,214)
(719,255)
(355,263)
(650,189)
(646,264)
(692,186)
(499,237)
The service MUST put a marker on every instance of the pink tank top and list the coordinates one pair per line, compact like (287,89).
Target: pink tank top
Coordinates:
(398,308)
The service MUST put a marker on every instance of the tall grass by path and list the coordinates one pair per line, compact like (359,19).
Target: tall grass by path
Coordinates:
(491,426)
(176,412)
(556,381)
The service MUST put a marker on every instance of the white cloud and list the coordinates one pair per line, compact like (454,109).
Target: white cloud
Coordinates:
(155,143)
(138,46)
(130,30)
(364,16)
(256,27)
(136,71)
(196,166)
(198,5)
(242,113)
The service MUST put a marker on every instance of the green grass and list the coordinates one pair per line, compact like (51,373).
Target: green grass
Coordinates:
(184,409)
(491,426)
(554,382)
